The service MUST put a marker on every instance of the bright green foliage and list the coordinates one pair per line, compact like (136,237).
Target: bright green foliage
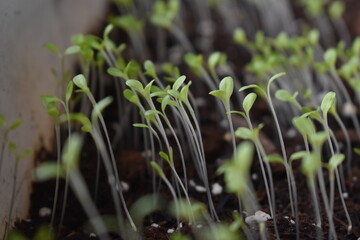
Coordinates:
(128,23)
(150,68)
(304,125)
(221,232)
(284,95)
(249,102)
(310,164)
(328,104)
(319,138)
(50,101)
(115,72)
(157,169)
(237,170)
(194,61)
(71,152)
(239,36)
(72,50)
(248,134)
(144,206)
(215,59)
(47,171)
(330,57)
(335,161)
(164,13)
(80,82)
(195,210)
(44,232)
(179,236)
(226,88)
(52,48)
(336,9)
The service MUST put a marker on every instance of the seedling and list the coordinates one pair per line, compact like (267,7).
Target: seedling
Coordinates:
(224,93)
(5,130)
(163,16)
(19,155)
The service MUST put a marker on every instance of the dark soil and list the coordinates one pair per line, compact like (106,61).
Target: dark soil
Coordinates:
(134,171)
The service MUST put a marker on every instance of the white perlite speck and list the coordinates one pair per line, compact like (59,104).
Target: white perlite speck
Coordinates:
(348,109)
(216,189)
(93,235)
(125,186)
(258,217)
(44,212)
(171,230)
(155,225)
(192,183)
(345,195)
(200,188)
(254,176)
(292,221)
(199,226)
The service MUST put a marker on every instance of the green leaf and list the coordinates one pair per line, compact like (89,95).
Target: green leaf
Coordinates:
(319,138)
(328,103)
(227,85)
(304,125)
(178,83)
(193,61)
(107,31)
(132,69)
(13,147)
(164,156)
(48,171)
(52,48)
(71,152)
(44,232)
(157,169)
(15,124)
(219,94)
(284,95)
(310,164)
(15,235)
(100,106)
(249,102)
(69,91)
(150,68)
(244,133)
(249,87)
(79,117)
(135,84)
(115,72)
(276,76)
(2,120)
(357,151)
(185,92)
(239,36)
(131,97)
(330,57)
(80,82)
(25,154)
(274,159)
(244,156)
(165,102)
(72,50)
(297,155)
(336,160)
(215,59)
(237,112)
(140,125)
(313,36)
(174,93)
(336,9)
